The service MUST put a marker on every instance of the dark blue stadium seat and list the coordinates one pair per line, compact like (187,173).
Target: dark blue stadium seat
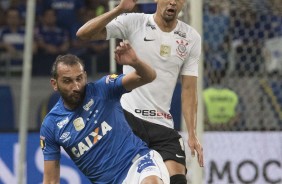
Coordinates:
(6,109)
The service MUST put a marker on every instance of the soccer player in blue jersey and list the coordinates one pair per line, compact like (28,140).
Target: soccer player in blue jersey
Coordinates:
(88,122)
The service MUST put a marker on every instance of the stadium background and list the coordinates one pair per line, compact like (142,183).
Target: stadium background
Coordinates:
(242,46)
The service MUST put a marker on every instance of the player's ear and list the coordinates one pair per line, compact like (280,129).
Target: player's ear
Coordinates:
(54,84)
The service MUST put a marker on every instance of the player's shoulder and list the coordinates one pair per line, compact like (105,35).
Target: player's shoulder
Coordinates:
(189,30)
(134,16)
(105,82)
(112,78)
(49,121)
(54,114)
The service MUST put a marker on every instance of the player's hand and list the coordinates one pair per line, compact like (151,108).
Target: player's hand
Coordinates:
(195,145)
(124,54)
(127,5)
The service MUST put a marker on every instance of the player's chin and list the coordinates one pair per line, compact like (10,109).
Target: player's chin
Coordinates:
(170,16)
(75,102)
(75,99)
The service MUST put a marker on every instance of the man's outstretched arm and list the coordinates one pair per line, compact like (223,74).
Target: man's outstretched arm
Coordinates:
(95,29)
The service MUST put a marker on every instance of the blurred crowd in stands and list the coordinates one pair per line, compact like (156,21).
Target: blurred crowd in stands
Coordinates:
(237,35)
(56,24)
(55,27)
(242,40)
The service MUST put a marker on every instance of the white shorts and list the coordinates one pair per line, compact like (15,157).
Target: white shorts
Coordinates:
(150,164)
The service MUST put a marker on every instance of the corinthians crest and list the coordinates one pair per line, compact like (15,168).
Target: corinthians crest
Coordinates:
(182,48)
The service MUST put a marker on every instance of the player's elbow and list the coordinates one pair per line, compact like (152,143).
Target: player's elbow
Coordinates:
(81,35)
(91,34)
(152,76)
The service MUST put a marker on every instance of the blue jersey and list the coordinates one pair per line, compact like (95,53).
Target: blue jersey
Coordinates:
(54,36)
(66,10)
(14,38)
(95,135)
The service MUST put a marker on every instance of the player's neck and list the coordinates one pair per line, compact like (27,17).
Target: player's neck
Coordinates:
(165,26)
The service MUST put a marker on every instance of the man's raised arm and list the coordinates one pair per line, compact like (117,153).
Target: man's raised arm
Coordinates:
(95,29)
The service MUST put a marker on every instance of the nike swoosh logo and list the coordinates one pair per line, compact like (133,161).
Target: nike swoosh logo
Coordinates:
(148,40)
(179,156)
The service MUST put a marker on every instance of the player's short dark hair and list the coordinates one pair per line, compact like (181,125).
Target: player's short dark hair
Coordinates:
(68,59)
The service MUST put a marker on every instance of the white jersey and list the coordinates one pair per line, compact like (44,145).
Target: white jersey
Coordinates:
(170,53)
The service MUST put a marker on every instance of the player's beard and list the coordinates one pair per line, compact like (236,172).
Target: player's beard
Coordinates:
(74,99)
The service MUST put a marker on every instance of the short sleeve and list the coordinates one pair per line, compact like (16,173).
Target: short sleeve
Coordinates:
(191,64)
(48,144)
(124,25)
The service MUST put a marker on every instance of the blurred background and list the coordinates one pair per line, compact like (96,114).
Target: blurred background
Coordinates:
(241,83)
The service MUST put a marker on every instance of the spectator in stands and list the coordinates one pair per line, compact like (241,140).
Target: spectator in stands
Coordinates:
(2,16)
(98,6)
(247,36)
(51,41)
(100,48)
(216,29)
(67,11)
(21,6)
(102,55)
(97,51)
(276,21)
(12,34)
(272,22)
(221,103)
(80,47)
(12,38)
(273,55)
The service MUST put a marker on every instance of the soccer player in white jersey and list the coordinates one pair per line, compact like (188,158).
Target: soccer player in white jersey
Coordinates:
(172,48)
(88,122)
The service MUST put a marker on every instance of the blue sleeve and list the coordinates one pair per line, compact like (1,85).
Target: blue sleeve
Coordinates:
(110,86)
(51,149)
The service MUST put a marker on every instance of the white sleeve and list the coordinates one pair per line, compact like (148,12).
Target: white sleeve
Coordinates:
(124,25)
(190,66)
(118,27)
